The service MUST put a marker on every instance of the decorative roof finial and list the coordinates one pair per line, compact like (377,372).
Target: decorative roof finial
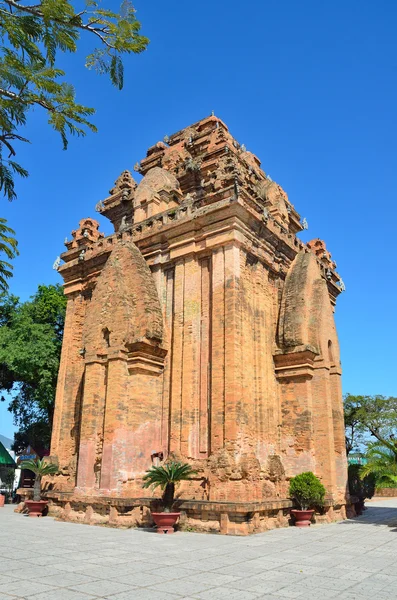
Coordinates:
(305,224)
(123,182)
(57,263)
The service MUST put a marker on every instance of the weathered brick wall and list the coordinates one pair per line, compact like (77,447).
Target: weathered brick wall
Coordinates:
(67,416)
(202,329)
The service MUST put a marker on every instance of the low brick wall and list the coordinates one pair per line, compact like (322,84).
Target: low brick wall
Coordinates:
(227,518)
(386,492)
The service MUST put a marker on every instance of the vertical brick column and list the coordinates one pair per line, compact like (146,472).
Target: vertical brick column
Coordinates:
(233,343)
(339,430)
(168,303)
(205,358)
(92,420)
(177,358)
(247,406)
(294,372)
(218,351)
(66,424)
(64,369)
(115,439)
(191,359)
(323,428)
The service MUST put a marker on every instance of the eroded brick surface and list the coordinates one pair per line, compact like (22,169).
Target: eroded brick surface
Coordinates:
(202,329)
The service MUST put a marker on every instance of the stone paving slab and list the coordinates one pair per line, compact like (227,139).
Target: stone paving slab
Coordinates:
(42,559)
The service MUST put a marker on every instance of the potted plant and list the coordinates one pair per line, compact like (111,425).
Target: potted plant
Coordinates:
(166,477)
(40,469)
(307,491)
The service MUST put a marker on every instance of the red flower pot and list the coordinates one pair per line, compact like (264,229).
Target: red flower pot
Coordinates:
(302,517)
(36,509)
(2,500)
(165,521)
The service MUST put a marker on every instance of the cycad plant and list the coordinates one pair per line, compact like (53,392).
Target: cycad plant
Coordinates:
(8,246)
(166,477)
(382,463)
(40,469)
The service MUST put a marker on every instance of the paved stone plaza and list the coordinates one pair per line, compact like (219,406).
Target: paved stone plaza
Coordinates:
(42,559)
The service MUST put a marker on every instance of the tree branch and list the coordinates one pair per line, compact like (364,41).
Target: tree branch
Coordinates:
(34,10)
(4,140)
(383,440)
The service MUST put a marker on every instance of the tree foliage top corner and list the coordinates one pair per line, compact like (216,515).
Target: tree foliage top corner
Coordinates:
(31,36)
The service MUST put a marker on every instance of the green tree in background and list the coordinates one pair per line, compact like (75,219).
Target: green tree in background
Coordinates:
(375,416)
(30,347)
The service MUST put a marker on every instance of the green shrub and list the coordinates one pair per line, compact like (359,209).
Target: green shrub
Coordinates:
(360,488)
(307,490)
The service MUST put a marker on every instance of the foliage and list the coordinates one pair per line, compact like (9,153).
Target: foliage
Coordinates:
(40,468)
(30,347)
(37,435)
(166,477)
(360,487)
(374,415)
(9,248)
(7,476)
(353,432)
(32,36)
(381,465)
(307,490)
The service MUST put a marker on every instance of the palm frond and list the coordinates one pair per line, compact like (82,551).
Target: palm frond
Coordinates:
(39,467)
(170,472)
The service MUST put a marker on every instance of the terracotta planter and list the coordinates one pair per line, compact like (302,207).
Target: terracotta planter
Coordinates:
(2,500)
(302,517)
(165,521)
(36,509)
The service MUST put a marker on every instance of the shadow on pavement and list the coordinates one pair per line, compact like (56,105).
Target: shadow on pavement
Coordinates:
(376,515)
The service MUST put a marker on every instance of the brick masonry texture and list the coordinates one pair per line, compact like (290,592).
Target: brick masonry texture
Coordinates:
(202,329)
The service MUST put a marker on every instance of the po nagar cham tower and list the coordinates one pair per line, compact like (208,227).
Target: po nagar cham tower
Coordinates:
(201,329)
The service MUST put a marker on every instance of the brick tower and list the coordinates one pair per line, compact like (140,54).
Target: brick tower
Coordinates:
(202,328)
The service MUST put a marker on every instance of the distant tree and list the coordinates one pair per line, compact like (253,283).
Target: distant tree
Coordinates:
(7,478)
(32,35)
(36,434)
(373,415)
(30,347)
(8,247)
(353,433)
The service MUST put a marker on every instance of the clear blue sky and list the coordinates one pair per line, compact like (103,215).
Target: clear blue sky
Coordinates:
(310,87)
